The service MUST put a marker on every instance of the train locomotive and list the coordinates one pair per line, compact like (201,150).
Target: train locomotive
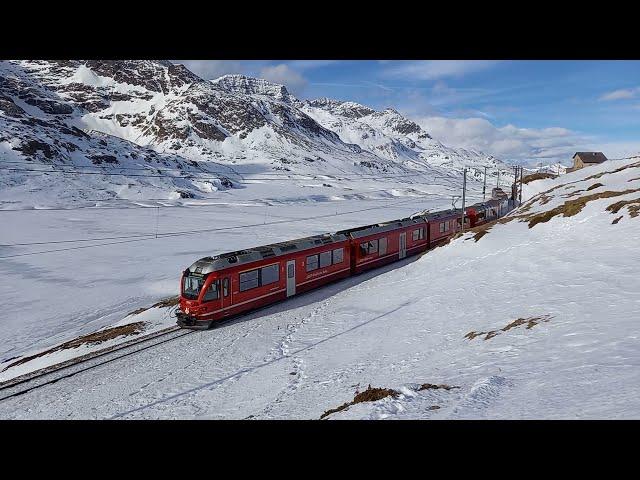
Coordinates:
(218,287)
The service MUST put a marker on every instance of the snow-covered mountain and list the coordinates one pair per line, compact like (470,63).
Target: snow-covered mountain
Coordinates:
(129,115)
(390,135)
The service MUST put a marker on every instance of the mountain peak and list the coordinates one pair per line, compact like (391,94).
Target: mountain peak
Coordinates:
(342,108)
(237,83)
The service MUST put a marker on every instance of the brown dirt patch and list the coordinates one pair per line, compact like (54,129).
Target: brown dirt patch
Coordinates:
(616,220)
(529,322)
(594,186)
(94,338)
(371,394)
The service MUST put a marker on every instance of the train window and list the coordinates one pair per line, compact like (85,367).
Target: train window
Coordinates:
(191,286)
(414,235)
(418,234)
(325,259)
(382,246)
(225,287)
(249,280)
(442,227)
(338,255)
(373,246)
(212,292)
(270,274)
(312,263)
(364,248)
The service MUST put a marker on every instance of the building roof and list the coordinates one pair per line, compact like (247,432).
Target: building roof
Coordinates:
(591,157)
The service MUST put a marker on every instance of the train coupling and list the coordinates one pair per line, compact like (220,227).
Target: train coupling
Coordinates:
(186,321)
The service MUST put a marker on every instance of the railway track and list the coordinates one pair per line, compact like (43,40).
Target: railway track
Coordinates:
(54,373)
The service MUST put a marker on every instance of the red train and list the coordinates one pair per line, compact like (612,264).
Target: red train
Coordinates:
(214,288)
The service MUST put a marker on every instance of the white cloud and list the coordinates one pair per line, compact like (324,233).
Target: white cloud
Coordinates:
(524,145)
(620,94)
(435,69)
(284,75)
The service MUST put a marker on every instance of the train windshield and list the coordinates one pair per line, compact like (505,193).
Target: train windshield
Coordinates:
(191,286)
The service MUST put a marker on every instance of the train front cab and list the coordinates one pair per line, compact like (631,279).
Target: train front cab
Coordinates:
(201,296)
(259,277)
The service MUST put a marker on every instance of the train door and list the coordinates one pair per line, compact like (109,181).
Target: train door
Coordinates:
(291,278)
(226,292)
(403,245)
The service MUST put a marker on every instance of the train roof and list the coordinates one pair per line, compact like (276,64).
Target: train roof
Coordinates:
(359,232)
(219,262)
(452,212)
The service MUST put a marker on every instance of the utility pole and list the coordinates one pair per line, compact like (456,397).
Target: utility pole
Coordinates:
(484,187)
(464,189)
(521,185)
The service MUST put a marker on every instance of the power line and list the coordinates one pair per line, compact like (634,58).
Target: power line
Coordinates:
(151,168)
(92,208)
(137,238)
(195,176)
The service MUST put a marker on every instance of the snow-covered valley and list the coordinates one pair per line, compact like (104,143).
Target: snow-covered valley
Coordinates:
(533,317)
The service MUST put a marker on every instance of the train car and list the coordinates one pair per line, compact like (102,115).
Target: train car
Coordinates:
(478,214)
(376,245)
(443,225)
(218,287)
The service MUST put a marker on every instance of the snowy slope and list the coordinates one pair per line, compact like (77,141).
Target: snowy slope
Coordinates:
(535,318)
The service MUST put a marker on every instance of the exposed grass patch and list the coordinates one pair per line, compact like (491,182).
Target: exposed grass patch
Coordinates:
(433,386)
(167,302)
(633,206)
(94,338)
(537,176)
(369,395)
(529,322)
(598,175)
(572,207)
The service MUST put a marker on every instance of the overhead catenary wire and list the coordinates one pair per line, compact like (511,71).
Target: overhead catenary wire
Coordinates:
(138,238)
(257,203)
(197,176)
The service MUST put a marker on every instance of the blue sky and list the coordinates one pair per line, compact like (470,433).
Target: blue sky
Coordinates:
(527,111)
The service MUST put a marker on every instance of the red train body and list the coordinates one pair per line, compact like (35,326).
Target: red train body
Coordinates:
(214,288)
